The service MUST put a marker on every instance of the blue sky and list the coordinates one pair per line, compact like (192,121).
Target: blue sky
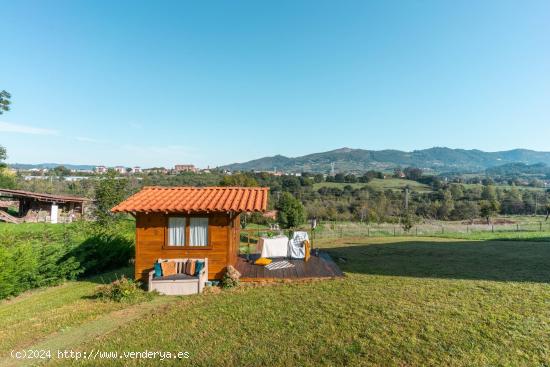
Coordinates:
(214,82)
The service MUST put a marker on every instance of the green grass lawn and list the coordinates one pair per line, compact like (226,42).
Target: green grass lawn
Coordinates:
(39,313)
(404,301)
(379,184)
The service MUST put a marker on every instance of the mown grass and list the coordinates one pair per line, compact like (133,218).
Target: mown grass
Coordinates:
(39,313)
(379,184)
(405,301)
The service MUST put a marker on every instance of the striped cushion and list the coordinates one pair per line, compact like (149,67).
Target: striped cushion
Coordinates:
(190,267)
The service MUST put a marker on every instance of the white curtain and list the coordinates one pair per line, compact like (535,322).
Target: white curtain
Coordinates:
(176,231)
(198,228)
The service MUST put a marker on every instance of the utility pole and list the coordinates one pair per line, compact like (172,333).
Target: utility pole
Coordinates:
(406,198)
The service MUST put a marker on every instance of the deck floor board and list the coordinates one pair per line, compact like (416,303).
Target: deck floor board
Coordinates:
(319,267)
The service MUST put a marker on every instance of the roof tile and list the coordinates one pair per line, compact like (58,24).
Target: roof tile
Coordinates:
(195,199)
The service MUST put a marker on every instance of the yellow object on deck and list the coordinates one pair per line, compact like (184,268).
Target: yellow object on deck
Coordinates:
(263,261)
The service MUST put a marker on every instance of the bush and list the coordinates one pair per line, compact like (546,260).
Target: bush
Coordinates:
(231,278)
(38,255)
(123,290)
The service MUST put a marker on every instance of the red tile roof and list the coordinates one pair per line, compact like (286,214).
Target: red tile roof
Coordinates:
(195,199)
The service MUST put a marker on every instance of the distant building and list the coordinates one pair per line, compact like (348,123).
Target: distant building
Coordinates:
(136,169)
(185,168)
(100,169)
(120,169)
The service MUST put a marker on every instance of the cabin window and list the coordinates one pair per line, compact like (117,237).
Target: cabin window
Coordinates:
(176,231)
(198,231)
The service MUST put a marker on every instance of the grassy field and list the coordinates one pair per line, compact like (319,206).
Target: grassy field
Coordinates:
(404,301)
(379,184)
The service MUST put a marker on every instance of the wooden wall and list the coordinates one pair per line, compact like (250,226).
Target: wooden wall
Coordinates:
(151,234)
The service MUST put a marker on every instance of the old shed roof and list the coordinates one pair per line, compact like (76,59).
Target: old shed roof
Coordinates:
(42,197)
(196,199)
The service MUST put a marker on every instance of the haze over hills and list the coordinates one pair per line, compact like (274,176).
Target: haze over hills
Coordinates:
(51,166)
(436,159)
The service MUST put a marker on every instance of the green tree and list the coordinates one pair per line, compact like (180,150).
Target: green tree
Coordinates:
(340,178)
(489,209)
(413,173)
(3,156)
(489,193)
(239,179)
(61,171)
(4,101)
(109,192)
(290,211)
(446,205)
(7,180)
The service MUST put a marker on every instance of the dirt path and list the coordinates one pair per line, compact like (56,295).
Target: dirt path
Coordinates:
(74,337)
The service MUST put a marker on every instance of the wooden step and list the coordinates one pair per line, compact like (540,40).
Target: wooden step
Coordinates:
(5,217)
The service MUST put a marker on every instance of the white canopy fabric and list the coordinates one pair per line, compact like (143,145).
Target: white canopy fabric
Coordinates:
(296,247)
(274,246)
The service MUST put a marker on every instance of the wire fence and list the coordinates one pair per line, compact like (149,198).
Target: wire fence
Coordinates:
(340,230)
(332,230)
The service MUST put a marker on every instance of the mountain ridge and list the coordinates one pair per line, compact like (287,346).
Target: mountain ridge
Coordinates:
(437,159)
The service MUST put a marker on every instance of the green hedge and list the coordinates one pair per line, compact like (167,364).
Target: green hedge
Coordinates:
(38,255)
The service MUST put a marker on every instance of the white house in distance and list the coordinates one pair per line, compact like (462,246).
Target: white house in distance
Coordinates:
(100,169)
(136,169)
(120,169)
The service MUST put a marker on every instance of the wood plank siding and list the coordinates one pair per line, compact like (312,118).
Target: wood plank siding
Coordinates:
(151,233)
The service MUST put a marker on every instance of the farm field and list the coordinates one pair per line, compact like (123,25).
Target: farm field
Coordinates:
(379,184)
(404,301)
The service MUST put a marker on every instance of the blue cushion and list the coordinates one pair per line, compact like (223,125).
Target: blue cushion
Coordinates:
(158,270)
(199,265)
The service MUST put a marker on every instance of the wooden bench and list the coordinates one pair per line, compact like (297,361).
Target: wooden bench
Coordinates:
(179,284)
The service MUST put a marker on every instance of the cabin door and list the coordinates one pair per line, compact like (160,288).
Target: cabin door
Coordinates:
(54,213)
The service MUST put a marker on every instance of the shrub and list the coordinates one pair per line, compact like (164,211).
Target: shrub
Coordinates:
(231,278)
(123,290)
(38,255)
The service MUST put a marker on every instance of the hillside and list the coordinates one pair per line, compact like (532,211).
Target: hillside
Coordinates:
(51,166)
(358,160)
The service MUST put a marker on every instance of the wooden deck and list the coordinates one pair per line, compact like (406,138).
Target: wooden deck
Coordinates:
(318,267)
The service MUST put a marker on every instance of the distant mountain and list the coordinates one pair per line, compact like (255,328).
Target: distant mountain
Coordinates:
(51,165)
(358,160)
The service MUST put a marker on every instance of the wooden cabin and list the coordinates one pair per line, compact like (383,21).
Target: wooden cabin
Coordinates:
(190,222)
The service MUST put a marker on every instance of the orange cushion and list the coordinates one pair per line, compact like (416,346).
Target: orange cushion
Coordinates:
(263,261)
(168,268)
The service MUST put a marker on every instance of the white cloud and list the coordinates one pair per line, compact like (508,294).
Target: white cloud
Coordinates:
(8,127)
